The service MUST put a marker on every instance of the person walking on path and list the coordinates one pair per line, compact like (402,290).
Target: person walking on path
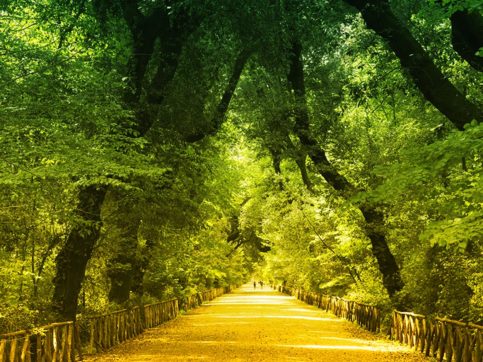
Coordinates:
(254,285)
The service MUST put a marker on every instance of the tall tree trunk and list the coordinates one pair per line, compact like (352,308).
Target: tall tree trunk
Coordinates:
(300,157)
(77,250)
(124,220)
(222,107)
(300,160)
(435,87)
(388,267)
(276,159)
(126,268)
(129,261)
(144,30)
(302,129)
(276,153)
(72,259)
(147,108)
(467,36)
(391,276)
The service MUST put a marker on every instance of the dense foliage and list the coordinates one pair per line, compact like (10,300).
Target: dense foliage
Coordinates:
(155,149)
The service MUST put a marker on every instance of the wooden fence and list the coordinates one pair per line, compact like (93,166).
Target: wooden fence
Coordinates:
(211,294)
(191,302)
(444,339)
(197,299)
(158,313)
(61,341)
(111,329)
(367,316)
(54,342)
(108,330)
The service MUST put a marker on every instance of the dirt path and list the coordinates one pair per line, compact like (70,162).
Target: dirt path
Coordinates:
(257,325)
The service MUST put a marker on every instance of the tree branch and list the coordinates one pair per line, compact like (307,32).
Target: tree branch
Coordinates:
(435,87)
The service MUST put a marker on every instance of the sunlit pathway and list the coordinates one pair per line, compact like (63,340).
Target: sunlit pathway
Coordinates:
(257,325)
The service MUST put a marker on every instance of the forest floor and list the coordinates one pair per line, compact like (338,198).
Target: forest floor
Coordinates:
(257,325)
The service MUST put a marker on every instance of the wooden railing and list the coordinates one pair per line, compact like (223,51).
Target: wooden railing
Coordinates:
(111,329)
(54,342)
(443,339)
(191,302)
(213,293)
(197,299)
(61,341)
(105,331)
(158,313)
(367,316)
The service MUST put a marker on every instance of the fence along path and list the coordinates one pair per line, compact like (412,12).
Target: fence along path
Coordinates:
(67,341)
(443,339)
(257,325)
(53,342)
(366,316)
(440,338)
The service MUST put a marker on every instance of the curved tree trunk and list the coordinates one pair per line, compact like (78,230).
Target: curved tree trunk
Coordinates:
(467,36)
(73,257)
(391,276)
(388,267)
(222,107)
(300,160)
(435,87)
(124,220)
(127,265)
(312,147)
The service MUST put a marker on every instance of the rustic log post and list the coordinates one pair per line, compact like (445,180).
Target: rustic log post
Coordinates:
(13,349)
(77,342)
(24,353)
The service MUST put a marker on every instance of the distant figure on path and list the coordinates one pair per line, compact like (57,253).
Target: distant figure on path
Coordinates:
(254,285)
(261,284)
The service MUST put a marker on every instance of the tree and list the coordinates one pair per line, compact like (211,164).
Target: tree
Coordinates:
(128,129)
(427,77)
(374,218)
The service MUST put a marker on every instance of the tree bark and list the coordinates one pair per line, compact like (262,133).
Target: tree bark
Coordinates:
(276,160)
(300,157)
(124,221)
(302,124)
(300,161)
(391,276)
(72,259)
(435,87)
(276,153)
(144,30)
(467,36)
(222,108)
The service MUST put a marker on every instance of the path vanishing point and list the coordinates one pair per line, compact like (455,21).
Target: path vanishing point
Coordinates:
(258,325)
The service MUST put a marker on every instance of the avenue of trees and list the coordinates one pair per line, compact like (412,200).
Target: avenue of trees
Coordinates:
(152,149)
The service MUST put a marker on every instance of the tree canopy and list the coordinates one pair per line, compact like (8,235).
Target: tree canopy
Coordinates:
(152,149)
